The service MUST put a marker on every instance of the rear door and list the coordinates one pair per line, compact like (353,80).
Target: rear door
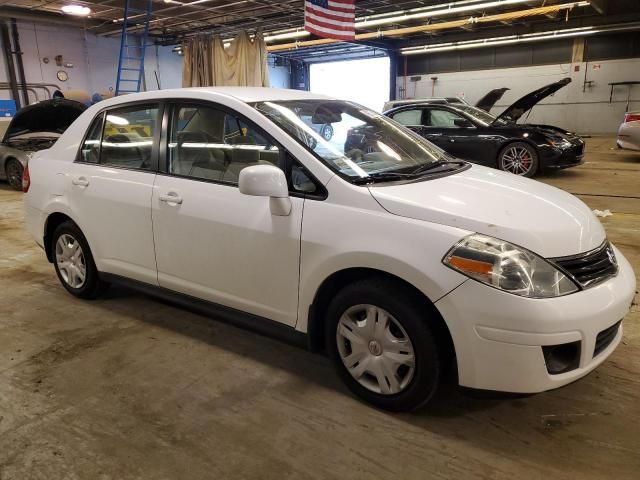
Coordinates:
(109,188)
(213,242)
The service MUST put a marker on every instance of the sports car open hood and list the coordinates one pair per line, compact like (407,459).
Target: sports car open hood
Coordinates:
(544,219)
(53,116)
(487,102)
(526,103)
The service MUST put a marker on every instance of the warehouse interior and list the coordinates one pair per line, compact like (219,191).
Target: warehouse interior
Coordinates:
(128,385)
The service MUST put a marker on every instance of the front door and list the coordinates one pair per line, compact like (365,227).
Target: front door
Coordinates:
(213,242)
(452,132)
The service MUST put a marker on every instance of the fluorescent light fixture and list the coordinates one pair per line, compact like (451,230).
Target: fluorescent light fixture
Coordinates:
(511,39)
(286,35)
(436,11)
(78,10)
(117,120)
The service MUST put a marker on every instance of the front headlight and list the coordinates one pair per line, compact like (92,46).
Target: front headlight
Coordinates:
(559,142)
(508,267)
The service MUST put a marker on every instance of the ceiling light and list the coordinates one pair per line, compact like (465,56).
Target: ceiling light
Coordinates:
(78,10)
(435,11)
(286,35)
(511,39)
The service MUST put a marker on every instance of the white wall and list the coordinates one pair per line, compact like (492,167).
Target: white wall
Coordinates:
(570,108)
(279,76)
(94,59)
(365,81)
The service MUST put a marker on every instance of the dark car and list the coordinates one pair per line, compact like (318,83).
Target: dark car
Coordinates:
(35,127)
(324,129)
(473,134)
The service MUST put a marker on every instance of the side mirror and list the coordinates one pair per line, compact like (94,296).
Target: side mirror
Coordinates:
(267,181)
(462,122)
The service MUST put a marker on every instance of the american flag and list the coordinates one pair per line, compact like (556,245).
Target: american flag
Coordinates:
(330,18)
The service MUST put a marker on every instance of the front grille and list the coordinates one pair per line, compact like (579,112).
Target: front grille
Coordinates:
(589,269)
(605,337)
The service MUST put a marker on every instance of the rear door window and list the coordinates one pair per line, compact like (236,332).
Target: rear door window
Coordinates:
(90,151)
(128,136)
(409,117)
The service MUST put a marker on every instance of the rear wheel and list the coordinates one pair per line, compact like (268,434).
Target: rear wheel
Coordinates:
(74,263)
(14,170)
(519,158)
(381,345)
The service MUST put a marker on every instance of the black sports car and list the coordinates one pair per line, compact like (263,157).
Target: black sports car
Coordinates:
(473,134)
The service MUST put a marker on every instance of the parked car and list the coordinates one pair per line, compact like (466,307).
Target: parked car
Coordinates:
(629,132)
(473,134)
(324,129)
(487,102)
(395,261)
(35,127)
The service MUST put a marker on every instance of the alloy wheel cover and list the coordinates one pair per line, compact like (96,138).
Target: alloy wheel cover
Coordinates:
(375,349)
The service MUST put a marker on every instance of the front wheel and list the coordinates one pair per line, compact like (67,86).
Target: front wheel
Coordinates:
(327,132)
(13,170)
(519,158)
(381,345)
(74,263)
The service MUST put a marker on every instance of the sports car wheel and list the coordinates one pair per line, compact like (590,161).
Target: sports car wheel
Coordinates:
(327,132)
(13,169)
(519,158)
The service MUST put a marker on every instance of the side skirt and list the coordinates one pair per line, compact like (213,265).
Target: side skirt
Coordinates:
(255,323)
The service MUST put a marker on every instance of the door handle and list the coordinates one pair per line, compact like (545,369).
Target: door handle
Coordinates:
(80,181)
(171,197)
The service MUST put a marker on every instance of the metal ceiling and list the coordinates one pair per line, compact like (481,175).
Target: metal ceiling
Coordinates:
(173,20)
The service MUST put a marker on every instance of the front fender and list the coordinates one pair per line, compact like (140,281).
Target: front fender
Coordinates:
(409,249)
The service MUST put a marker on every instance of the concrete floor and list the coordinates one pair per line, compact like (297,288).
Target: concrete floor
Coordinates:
(130,388)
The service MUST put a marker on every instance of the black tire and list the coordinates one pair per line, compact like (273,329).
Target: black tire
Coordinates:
(519,158)
(410,313)
(92,286)
(327,132)
(13,170)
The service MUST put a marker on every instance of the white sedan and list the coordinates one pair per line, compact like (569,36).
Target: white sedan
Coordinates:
(629,132)
(393,257)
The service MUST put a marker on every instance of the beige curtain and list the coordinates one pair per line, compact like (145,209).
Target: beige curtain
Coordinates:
(207,63)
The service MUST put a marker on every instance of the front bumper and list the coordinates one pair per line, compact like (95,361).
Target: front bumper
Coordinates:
(498,336)
(558,158)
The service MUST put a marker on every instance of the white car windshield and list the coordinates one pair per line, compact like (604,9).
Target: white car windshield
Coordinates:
(363,144)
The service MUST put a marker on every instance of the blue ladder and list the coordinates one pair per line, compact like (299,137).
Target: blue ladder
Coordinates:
(132,49)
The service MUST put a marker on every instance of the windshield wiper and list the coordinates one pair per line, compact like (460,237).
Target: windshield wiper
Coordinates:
(382,177)
(430,166)
(391,176)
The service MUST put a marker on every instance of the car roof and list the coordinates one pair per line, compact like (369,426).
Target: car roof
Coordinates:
(409,106)
(244,94)
(426,100)
(393,104)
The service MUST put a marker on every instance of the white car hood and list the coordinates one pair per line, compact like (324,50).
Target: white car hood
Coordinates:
(543,219)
